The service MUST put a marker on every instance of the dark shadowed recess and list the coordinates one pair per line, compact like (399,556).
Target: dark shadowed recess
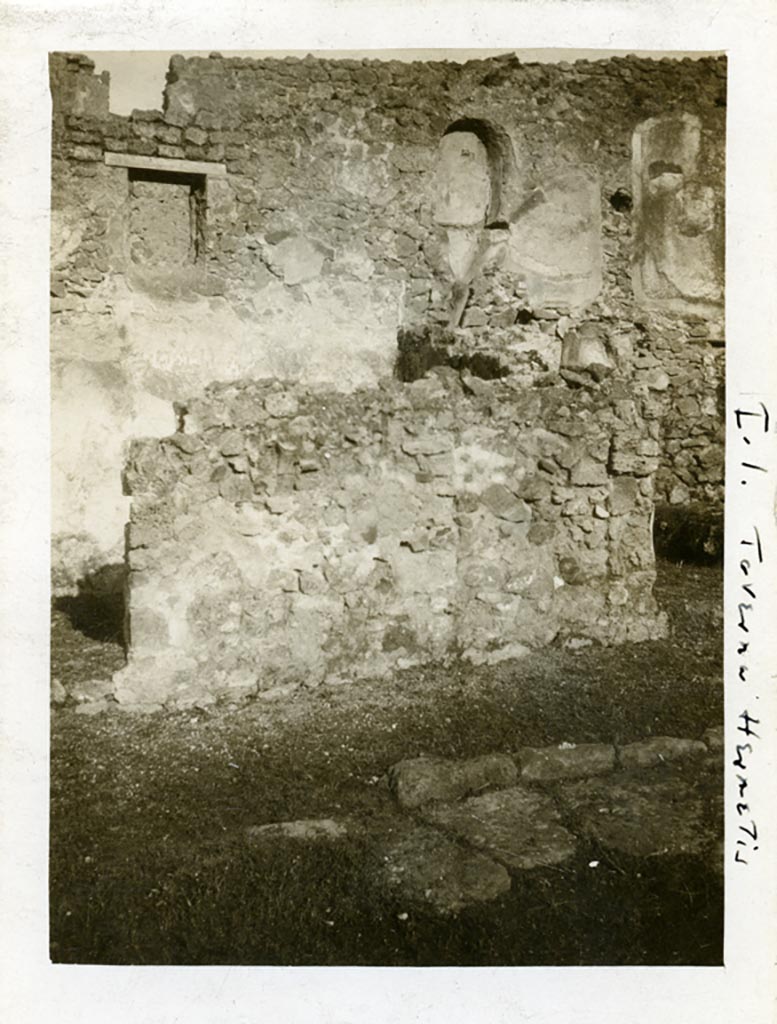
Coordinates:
(422,348)
(98,610)
(689,533)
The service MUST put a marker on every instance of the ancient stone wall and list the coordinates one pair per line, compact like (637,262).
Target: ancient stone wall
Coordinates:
(332,202)
(290,535)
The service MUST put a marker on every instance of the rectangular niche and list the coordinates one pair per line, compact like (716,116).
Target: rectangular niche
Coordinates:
(166,217)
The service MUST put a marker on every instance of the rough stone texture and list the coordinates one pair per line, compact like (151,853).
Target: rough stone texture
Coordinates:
(321,240)
(642,819)
(659,750)
(425,779)
(288,535)
(545,764)
(425,867)
(517,827)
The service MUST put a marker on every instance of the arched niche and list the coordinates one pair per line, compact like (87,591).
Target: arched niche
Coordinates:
(474,174)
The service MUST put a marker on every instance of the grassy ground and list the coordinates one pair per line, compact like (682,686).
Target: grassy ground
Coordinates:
(149,864)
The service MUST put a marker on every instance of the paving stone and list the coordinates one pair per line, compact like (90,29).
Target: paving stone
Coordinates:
(545,764)
(658,750)
(426,867)
(305,829)
(518,827)
(422,779)
(641,819)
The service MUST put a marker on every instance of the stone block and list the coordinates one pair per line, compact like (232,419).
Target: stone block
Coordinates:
(425,779)
(589,473)
(657,818)
(426,868)
(659,750)
(517,827)
(624,494)
(568,761)
(505,505)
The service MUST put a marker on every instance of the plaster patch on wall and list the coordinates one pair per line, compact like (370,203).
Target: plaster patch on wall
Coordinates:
(678,263)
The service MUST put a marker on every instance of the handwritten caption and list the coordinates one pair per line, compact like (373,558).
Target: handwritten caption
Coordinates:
(753,452)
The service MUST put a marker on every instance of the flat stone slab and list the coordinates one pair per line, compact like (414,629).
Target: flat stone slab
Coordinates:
(546,764)
(638,818)
(426,867)
(421,780)
(518,827)
(305,829)
(659,750)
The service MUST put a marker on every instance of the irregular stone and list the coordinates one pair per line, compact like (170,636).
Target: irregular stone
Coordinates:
(186,443)
(474,317)
(426,867)
(582,349)
(137,708)
(588,473)
(236,487)
(637,818)
(506,652)
(517,827)
(534,488)
(280,692)
(624,493)
(281,404)
(715,739)
(504,504)
(658,750)
(545,764)
(423,779)
(277,504)
(231,442)
(57,692)
(305,829)
(91,690)
(427,444)
(656,380)
(97,707)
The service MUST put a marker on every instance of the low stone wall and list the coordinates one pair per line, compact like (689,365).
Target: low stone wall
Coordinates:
(289,535)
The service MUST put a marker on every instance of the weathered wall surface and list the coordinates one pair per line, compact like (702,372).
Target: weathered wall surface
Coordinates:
(288,535)
(501,198)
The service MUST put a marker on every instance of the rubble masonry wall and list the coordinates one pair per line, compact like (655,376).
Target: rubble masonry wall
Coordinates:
(329,231)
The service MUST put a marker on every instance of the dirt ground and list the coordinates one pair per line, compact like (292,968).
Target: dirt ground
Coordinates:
(148,814)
